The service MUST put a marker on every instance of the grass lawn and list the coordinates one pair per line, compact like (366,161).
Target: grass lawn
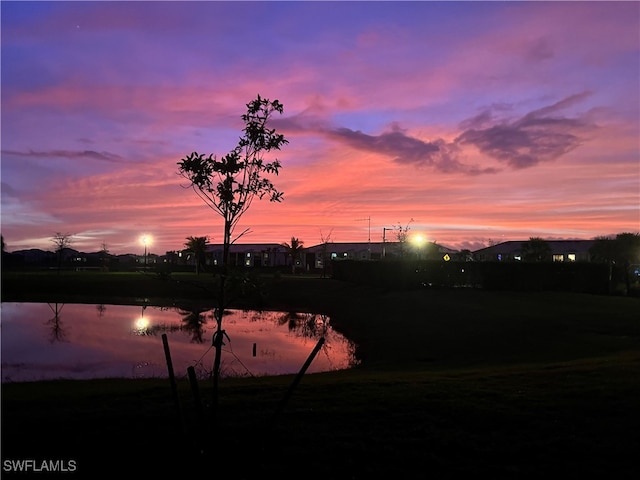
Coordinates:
(453,383)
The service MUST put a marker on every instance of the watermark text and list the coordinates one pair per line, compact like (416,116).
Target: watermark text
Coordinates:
(43,466)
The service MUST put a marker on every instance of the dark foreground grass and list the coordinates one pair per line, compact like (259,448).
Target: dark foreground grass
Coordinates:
(453,384)
(577,419)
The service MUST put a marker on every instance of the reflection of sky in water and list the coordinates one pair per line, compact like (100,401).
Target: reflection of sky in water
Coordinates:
(99,341)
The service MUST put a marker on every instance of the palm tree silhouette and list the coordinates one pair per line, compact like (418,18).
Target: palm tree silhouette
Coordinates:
(197,246)
(194,321)
(294,249)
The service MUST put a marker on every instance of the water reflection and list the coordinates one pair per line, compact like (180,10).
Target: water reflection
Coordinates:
(125,341)
(57,331)
(194,321)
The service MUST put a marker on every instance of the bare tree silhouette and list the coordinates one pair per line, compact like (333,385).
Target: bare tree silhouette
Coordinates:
(61,241)
(58,333)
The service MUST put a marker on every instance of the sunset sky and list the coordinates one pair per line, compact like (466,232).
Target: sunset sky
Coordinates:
(481,121)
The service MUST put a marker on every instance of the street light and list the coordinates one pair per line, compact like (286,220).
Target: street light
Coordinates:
(146,240)
(419,240)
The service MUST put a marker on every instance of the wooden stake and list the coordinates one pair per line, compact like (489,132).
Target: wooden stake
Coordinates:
(299,376)
(172,378)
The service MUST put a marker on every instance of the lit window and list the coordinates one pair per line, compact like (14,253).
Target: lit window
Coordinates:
(571,257)
(334,255)
(248,255)
(558,257)
(517,257)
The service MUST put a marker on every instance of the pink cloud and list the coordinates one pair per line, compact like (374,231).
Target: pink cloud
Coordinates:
(383,119)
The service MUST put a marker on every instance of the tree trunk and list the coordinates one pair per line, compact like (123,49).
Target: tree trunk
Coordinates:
(218,336)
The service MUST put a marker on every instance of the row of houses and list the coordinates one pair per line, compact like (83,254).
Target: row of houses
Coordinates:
(319,256)
(316,257)
(559,251)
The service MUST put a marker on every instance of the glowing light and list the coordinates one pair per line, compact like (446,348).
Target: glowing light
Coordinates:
(418,240)
(142,324)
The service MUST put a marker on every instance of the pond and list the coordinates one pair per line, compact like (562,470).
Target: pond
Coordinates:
(45,341)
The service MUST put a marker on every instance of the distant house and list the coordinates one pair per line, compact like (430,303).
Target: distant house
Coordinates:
(36,256)
(249,254)
(561,251)
(314,257)
(317,255)
(344,251)
(129,260)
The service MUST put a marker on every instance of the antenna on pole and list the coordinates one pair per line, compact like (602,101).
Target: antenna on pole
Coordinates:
(369,239)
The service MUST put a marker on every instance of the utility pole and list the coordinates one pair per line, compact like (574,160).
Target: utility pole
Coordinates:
(369,240)
(384,240)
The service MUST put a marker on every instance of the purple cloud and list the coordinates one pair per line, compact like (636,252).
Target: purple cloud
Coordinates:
(69,154)
(407,150)
(541,135)
(396,143)
(538,136)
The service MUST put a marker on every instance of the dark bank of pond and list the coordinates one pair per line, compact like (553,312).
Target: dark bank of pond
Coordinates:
(46,341)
